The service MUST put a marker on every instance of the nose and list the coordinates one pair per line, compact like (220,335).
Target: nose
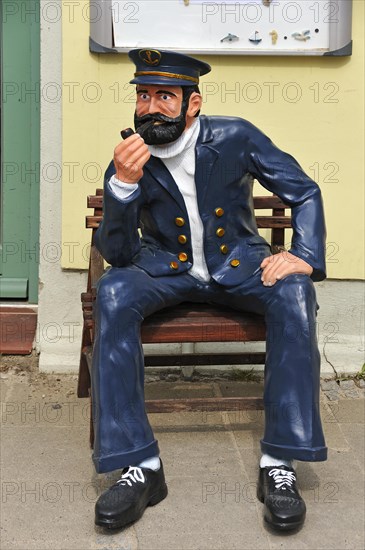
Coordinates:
(152,107)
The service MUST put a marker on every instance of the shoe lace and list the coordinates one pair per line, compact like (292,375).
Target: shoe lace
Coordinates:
(282,478)
(132,475)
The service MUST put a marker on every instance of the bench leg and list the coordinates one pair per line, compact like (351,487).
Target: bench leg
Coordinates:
(84,381)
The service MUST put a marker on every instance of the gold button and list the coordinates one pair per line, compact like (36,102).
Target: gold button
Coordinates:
(220,232)
(183,257)
(235,263)
(182,239)
(179,222)
(224,248)
(174,265)
(219,212)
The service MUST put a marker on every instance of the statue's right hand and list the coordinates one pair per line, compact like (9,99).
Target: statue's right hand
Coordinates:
(130,156)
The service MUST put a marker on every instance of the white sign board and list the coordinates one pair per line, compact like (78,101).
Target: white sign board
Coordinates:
(252,27)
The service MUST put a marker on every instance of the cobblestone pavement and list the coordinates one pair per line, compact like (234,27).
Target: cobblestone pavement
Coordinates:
(49,486)
(338,389)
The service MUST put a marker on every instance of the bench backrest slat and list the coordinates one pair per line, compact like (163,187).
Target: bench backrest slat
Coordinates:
(260,203)
(277,221)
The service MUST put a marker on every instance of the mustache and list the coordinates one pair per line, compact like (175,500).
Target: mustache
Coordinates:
(157,117)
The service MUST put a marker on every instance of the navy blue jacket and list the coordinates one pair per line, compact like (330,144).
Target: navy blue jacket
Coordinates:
(230,153)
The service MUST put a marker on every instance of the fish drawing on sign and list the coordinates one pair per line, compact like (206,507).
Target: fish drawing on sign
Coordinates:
(302,36)
(255,38)
(230,38)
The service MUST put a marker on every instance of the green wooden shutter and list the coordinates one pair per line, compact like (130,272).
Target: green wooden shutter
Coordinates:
(20,139)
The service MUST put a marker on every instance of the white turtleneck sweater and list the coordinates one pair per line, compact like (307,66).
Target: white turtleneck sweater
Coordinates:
(179,159)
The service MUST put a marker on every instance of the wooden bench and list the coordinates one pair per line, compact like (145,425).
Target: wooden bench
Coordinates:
(188,322)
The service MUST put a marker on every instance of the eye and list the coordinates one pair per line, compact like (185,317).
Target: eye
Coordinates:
(165,97)
(144,96)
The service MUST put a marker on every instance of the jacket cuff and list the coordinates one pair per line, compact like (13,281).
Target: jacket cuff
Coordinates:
(318,273)
(121,189)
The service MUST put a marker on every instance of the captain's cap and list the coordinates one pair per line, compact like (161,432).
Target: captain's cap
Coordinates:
(166,67)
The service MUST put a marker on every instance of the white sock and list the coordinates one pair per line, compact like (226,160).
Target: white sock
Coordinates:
(152,463)
(268,460)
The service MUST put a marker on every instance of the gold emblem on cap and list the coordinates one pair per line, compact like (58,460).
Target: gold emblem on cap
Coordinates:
(150,57)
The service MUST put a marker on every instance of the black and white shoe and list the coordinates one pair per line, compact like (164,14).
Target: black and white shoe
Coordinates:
(127,499)
(284,507)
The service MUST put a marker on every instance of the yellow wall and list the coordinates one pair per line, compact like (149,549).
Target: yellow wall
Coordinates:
(312,107)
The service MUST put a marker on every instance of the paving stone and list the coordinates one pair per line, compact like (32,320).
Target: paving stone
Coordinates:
(332,395)
(351,393)
(327,385)
(347,384)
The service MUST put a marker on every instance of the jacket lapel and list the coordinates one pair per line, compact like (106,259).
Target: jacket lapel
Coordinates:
(159,172)
(205,158)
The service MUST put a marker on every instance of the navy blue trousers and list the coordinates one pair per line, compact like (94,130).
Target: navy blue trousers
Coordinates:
(123,435)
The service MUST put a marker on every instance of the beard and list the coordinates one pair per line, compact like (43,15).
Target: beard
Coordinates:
(168,131)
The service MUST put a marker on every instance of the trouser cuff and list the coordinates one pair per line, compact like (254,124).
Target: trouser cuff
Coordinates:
(117,461)
(306,454)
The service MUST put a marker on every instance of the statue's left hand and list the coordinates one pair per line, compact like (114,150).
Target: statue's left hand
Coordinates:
(281,265)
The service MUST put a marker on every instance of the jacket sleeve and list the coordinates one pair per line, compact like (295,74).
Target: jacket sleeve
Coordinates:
(117,237)
(280,173)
